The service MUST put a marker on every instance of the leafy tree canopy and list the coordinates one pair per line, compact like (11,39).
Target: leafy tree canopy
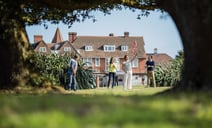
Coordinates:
(68,11)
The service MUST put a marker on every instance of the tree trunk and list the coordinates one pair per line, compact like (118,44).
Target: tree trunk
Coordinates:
(194,22)
(14,48)
(14,52)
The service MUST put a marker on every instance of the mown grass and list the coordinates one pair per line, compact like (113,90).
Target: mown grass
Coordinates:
(107,108)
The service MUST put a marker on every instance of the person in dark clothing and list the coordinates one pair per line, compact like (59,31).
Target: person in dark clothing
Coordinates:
(150,65)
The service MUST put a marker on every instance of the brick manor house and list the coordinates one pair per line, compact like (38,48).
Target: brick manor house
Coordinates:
(97,50)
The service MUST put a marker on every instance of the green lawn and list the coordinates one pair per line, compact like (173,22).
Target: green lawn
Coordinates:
(106,108)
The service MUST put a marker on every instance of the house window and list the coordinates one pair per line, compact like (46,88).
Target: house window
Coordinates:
(67,49)
(42,49)
(97,62)
(88,48)
(135,63)
(109,48)
(88,61)
(107,61)
(124,48)
(117,62)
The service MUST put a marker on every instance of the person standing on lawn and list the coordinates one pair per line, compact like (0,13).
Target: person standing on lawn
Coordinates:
(127,68)
(150,65)
(72,71)
(112,72)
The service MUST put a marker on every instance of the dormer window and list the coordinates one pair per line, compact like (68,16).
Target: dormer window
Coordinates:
(88,48)
(42,49)
(109,48)
(67,49)
(124,48)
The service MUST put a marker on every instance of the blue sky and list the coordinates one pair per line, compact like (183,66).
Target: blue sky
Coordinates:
(160,33)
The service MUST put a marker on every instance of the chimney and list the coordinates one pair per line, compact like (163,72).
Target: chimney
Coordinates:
(72,36)
(155,51)
(38,38)
(126,34)
(111,34)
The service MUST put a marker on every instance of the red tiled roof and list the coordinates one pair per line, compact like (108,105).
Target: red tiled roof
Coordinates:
(39,44)
(160,58)
(56,46)
(51,45)
(98,42)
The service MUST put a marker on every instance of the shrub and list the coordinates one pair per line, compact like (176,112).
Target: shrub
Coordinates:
(54,68)
(170,74)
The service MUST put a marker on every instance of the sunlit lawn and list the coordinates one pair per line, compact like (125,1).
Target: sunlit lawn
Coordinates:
(118,90)
(107,108)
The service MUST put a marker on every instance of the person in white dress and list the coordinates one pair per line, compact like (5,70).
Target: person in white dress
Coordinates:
(127,68)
